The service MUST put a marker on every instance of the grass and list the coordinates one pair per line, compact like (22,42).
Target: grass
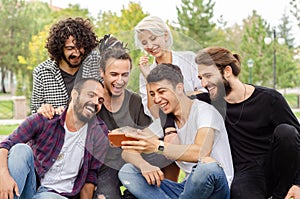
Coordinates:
(6,107)
(7,129)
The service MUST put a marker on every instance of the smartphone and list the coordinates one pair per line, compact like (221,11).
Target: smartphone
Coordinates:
(116,136)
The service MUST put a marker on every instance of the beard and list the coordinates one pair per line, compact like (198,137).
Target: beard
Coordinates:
(79,107)
(72,57)
(218,101)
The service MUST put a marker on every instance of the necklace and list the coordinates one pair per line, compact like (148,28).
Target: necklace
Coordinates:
(242,110)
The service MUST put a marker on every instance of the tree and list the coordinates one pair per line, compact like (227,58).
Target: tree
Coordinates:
(254,47)
(195,20)
(16,28)
(285,30)
(295,10)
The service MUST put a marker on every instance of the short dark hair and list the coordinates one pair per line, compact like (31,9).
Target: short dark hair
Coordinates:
(220,57)
(111,47)
(82,31)
(78,86)
(165,71)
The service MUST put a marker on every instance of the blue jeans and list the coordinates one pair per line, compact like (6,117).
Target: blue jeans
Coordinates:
(207,180)
(21,168)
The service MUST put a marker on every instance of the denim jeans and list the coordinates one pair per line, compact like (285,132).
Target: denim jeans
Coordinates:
(21,168)
(207,180)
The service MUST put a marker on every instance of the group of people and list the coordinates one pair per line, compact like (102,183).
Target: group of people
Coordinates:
(231,139)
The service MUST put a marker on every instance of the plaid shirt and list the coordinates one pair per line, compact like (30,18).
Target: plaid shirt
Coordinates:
(49,86)
(46,138)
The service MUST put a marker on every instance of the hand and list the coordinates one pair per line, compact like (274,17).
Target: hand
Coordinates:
(144,65)
(147,142)
(152,174)
(8,186)
(48,111)
(293,193)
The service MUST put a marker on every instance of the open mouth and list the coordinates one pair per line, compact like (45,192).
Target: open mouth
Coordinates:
(91,109)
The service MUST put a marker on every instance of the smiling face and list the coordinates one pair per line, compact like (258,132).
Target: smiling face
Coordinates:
(212,79)
(155,45)
(116,76)
(88,101)
(72,56)
(165,95)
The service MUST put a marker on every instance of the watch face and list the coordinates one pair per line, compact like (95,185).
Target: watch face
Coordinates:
(160,148)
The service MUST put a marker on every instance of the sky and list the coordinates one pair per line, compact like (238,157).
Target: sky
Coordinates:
(233,11)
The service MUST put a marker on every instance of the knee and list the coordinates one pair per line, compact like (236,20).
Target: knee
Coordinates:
(127,169)
(208,173)
(21,152)
(286,133)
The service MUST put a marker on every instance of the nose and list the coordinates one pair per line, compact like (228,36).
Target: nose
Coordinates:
(120,79)
(156,99)
(203,82)
(149,45)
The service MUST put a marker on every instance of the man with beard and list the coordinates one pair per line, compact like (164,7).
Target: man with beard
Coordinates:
(69,42)
(262,129)
(63,155)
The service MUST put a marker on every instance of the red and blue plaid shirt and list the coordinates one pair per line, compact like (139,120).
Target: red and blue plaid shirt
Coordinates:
(46,138)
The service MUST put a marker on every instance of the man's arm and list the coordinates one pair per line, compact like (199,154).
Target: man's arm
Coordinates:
(87,191)
(8,186)
(201,147)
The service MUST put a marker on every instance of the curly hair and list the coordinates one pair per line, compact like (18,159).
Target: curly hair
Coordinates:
(82,31)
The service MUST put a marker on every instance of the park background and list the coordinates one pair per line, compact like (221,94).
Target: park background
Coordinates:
(266,60)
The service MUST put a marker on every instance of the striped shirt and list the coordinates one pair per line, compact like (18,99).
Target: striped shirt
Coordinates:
(46,138)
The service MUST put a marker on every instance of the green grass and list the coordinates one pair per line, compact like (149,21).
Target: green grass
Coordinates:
(7,129)
(292,100)
(6,107)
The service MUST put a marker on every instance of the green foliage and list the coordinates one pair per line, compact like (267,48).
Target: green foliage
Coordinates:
(254,47)
(6,107)
(195,20)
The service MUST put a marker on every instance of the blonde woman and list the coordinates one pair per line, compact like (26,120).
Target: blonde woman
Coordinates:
(154,36)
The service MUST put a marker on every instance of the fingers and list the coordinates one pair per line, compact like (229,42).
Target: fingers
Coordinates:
(154,178)
(144,60)
(59,110)
(47,110)
(16,190)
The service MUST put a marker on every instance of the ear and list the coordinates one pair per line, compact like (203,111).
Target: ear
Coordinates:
(166,36)
(227,72)
(101,73)
(74,94)
(180,88)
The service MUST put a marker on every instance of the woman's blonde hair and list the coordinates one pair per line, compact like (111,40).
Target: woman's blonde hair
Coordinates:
(156,26)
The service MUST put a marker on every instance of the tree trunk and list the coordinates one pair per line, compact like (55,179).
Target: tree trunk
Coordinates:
(3,72)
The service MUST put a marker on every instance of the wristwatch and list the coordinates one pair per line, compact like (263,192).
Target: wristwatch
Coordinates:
(161,147)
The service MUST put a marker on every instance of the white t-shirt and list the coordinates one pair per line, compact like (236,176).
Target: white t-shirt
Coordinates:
(63,173)
(185,60)
(205,115)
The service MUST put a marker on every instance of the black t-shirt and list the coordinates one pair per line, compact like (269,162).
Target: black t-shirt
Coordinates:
(69,80)
(250,124)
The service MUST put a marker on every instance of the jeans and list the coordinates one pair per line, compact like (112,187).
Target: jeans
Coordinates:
(108,183)
(21,168)
(207,180)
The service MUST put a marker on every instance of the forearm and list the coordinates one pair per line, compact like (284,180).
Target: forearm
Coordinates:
(87,191)
(3,160)
(134,157)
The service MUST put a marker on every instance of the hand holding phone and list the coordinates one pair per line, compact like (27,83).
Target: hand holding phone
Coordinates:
(116,136)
